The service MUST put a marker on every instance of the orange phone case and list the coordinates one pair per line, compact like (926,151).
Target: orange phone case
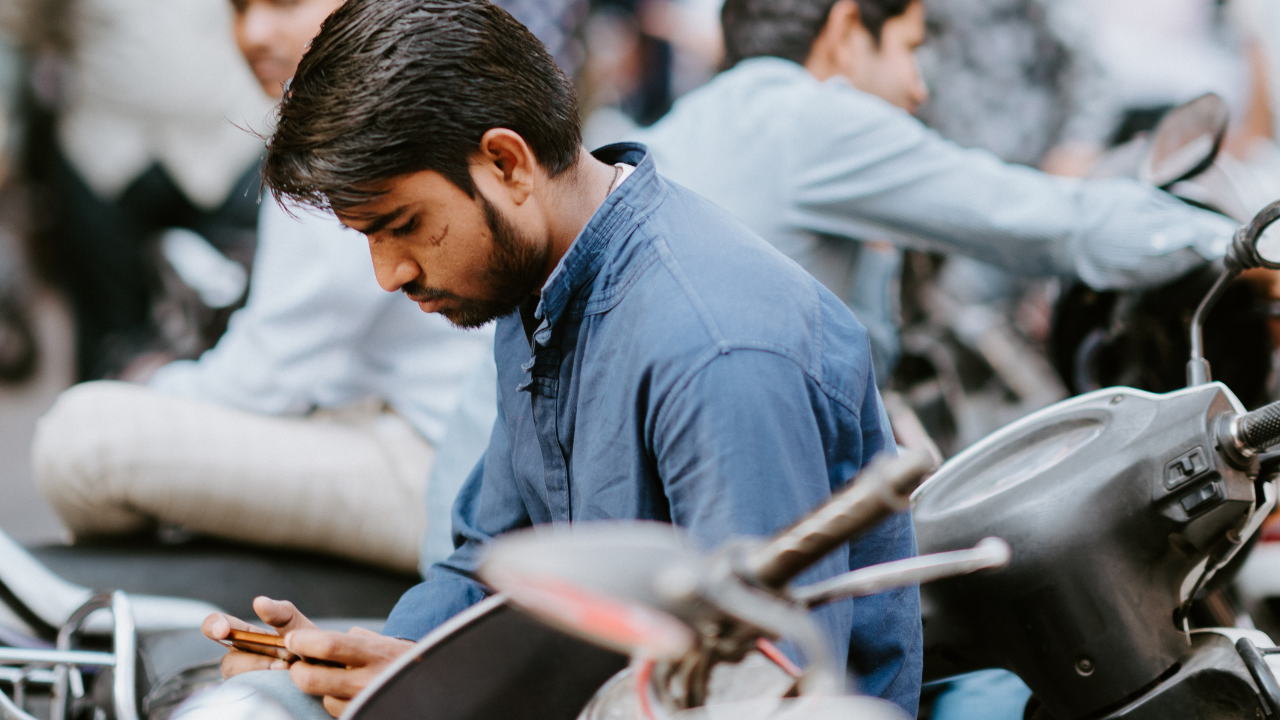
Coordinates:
(261,644)
(269,645)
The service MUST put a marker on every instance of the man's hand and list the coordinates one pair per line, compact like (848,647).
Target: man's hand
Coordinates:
(279,614)
(364,654)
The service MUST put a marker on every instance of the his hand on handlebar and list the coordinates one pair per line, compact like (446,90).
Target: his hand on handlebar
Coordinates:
(361,653)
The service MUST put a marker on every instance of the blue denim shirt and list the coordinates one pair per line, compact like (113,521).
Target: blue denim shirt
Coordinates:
(683,370)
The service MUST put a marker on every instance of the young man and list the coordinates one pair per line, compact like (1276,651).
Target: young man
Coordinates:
(808,139)
(656,360)
(312,424)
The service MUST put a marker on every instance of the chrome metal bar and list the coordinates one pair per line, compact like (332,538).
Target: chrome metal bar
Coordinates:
(38,676)
(65,689)
(24,656)
(10,711)
(989,553)
(1198,372)
(125,687)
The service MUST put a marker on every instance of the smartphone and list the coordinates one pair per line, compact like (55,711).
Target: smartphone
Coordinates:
(260,644)
(269,645)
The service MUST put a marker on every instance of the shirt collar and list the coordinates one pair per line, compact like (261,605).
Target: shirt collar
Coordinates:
(593,247)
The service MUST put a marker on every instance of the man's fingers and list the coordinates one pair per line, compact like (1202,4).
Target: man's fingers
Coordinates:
(334,706)
(340,683)
(219,625)
(237,662)
(350,649)
(364,654)
(281,615)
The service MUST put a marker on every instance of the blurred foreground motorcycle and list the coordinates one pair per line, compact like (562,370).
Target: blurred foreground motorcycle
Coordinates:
(698,628)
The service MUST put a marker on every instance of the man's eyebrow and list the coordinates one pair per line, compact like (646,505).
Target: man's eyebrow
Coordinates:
(378,222)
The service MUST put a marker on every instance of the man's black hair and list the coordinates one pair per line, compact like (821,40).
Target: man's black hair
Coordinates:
(391,87)
(788,28)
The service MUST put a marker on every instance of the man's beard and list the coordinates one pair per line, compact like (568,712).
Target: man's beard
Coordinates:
(515,269)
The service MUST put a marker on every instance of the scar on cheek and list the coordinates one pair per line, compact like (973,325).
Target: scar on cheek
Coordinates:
(439,238)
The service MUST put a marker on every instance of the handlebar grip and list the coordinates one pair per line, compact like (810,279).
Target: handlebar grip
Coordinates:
(1260,429)
(883,488)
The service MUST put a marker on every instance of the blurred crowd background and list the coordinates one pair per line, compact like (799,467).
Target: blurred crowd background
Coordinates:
(130,134)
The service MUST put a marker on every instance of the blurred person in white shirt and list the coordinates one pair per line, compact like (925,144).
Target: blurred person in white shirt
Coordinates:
(315,421)
(142,108)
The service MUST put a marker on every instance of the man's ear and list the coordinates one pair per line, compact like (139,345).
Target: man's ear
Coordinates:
(829,55)
(504,163)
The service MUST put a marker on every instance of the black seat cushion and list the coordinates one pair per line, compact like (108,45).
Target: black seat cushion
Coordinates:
(230,575)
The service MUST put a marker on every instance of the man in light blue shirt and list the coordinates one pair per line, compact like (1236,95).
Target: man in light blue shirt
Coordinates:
(808,138)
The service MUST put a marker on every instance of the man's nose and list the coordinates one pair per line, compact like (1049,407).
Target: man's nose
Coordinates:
(921,92)
(393,270)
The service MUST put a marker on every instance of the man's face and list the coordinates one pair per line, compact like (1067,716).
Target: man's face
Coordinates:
(888,68)
(273,35)
(448,252)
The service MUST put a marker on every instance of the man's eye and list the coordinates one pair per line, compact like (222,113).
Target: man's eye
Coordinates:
(405,229)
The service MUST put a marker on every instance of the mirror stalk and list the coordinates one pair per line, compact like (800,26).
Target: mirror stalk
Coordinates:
(1242,254)
(1198,372)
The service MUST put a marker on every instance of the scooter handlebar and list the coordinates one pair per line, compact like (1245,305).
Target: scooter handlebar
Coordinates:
(1258,430)
(882,488)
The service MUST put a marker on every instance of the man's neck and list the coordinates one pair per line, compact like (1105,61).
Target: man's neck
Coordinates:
(577,194)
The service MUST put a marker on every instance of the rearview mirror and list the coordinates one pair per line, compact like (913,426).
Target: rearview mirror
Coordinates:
(1185,142)
(1268,247)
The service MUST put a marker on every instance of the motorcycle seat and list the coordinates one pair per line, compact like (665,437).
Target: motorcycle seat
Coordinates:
(229,575)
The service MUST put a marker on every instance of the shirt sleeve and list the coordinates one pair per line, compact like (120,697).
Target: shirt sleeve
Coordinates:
(879,173)
(750,445)
(488,505)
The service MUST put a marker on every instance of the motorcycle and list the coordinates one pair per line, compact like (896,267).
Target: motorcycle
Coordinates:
(698,629)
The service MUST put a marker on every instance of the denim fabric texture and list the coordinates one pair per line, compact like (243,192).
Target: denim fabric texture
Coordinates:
(683,370)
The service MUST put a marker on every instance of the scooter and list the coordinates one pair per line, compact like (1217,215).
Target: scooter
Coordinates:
(1121,506)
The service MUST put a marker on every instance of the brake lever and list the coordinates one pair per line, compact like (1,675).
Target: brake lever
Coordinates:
(988,554)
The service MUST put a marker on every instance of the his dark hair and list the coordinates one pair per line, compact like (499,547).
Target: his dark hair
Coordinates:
(391,87)
(788,28)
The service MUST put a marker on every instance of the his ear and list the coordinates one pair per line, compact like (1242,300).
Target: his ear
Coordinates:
(504,162)
(829,54)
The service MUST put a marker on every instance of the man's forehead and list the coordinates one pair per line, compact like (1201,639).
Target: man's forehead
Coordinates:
(393,196)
